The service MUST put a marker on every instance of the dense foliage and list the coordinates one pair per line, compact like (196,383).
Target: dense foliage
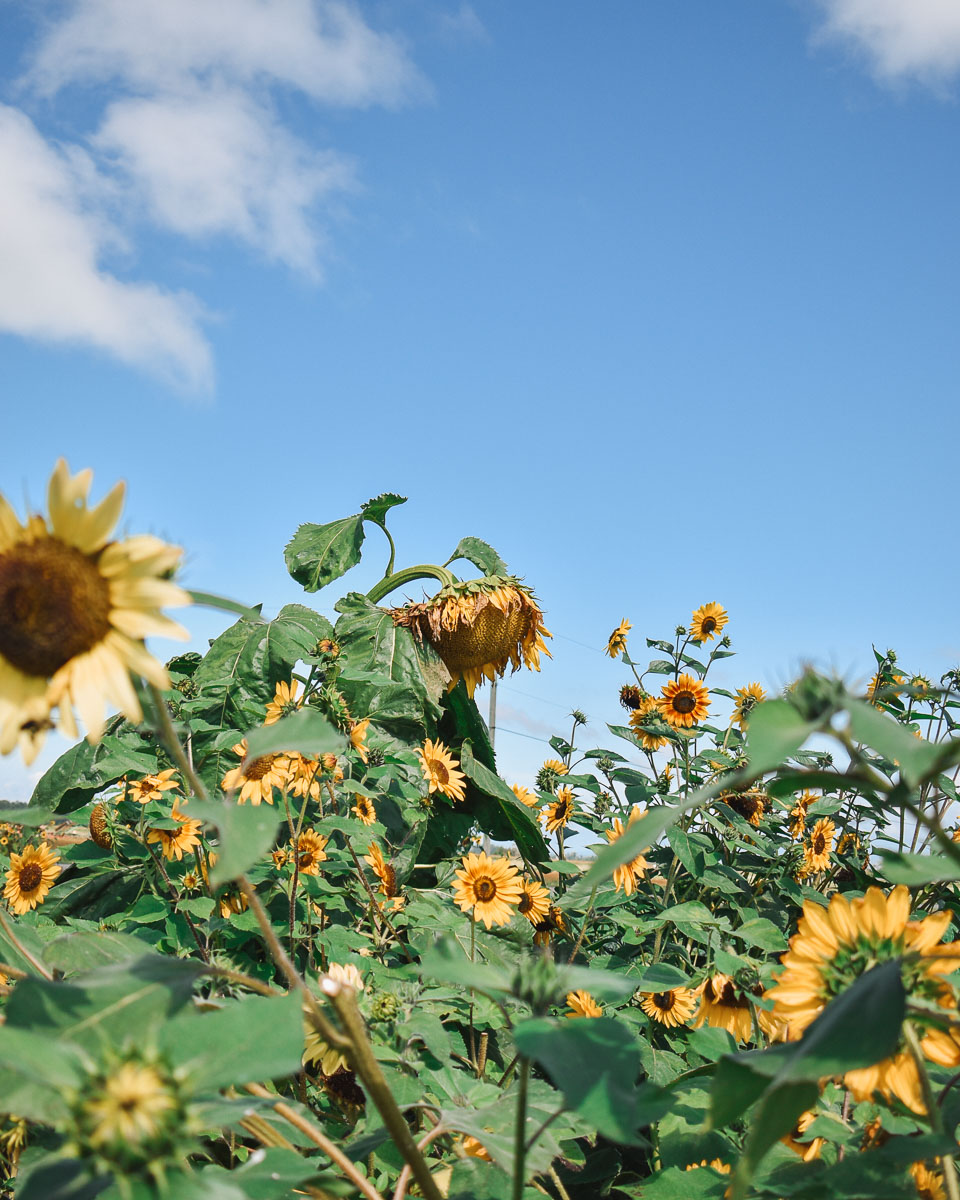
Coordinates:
(285,931)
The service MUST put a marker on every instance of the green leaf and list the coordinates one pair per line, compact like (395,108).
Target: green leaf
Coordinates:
(62,1179)
(481,555)
(306,731)
(86,950)
(887,736)
(595,1062)
(70,782)
(474,1179)
(252,1039)
(318,554)
(915,870)
(273,1174)
(247,832)
(661,977)
(376,509)
(776,731)
(509,818)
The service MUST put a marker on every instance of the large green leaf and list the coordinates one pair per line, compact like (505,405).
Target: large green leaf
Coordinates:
(318,554)
(776,732)
(247,832)
(507,817)
(462,721)
(306,731)
(882,733)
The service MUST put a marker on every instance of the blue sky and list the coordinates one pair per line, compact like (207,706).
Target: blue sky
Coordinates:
(659,299)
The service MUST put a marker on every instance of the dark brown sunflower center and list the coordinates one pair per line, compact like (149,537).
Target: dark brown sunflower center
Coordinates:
(728,997)
(30,876)
(440,772)
(54,605)
(484,889)
(663,1000)
(389,880)
(684,702)
(819,843)
(708,625)
(258,768)
(525,903)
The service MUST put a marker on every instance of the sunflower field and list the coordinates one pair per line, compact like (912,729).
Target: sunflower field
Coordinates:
(274,926)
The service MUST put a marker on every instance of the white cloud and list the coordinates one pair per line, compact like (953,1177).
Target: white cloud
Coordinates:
(52,285)
(220,163)
(900,38)
(321,47)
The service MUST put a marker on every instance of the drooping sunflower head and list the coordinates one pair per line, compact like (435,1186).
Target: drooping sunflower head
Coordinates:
(558,813)
(487,887)
(524,795)
(750,803)
(258,778)
(439,769)
(747,700)
(724,1006)
(75,608)
(629,874)
(671,1008)
(318,1053)
(617,642)
(365,810)
(100,827)
(284,701)
(684,702)
(631,695)
(30,877)
(707,622)
(534,901)
(382,869)
(481,627)
(582,1004)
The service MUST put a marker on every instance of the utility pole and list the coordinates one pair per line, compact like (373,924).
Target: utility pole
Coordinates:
(492,723)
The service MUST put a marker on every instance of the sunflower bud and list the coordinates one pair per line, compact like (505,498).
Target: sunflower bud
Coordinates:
(100,827)
(538,982)
(385,1007)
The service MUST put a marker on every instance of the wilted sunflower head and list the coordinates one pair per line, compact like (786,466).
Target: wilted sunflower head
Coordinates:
(631,695)
(751,803)
(480,627)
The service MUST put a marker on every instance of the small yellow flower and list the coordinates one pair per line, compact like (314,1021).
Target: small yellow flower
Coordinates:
(524,795)
(646,707)
(284,702)
(671,1008)
(817,850)
(382,869)
(747,699)
(318,1052)
(559,811)
(707,622)
(175,842)
(617,641)
(257,780)
(439,768)
(364,810)
(308,851)
(582,1004)
(150,787)
(358,737)
(534,901)
(31,876)
(554,765)
(627,875)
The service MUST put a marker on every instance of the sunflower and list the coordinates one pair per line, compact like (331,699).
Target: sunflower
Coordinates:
(631,695)
(534,901)
(884,687)
(328,1058)
(231,902)
(629,874)
(382,869)
(190,881)
(553,922)
(670,1008)
(747,700)
(640,717)
(257,779)
(364,809)
(524,795)
(475,1149)
(301,774)
(150,787)
(617,641)
(684,702)
(131,1110)
(707,621)
(798,825)
(358,737)
(716,1163)
(849,843)
(31,875)
(724,1006)
(99,826)
(75,607)
(308,851)
(489,887)
(834,946)
(559,811)
(174,842)
(479,628)
(555,765)
(439,768)
(929,1184)
(807,1150)
(751,804)
(582,1004)
(817,851)
(284,702)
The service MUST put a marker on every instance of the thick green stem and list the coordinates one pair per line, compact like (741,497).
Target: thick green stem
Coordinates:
(408,575)
(520,1135)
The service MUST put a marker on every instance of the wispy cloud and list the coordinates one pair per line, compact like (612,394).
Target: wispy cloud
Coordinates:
(899,38)
(185,135)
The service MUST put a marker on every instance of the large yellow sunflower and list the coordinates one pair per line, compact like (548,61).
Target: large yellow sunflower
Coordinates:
(724,1006)
(257,779)
(534,901)
(629,874)
(31,875)
(582,1004)
(175,842)
(481,627)
(617,642)
(684,702)
(150,787)
(559,811)
(488,887)
(747,700)
(670,1008)
(833,946)
(645,708)
(707,622)
(284,701)
(75,608)
(439,768)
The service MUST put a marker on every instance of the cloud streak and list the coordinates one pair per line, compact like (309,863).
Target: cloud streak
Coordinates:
(899,38)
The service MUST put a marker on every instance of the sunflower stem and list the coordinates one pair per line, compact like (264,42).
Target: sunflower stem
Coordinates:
(934,1116)
(408,575)
(520,1140)
(174,744)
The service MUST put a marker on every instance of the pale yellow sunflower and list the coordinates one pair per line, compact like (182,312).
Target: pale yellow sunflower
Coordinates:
(382,869)
(358,738)
(75,607)
(534,901)
(488,887)
(559,811)
(309,851)
(582,1004)
(31,875)
(724,1006)
(629,874)
(150,787)
(524,795)
(617,642)
(175,842)
(131,1108)
(671,1008)
(364,809)
(284,702)
(835,945)
(747,700)
(646,707)
(684,702)
(318,1052)
(480,627)
(707,622)
(257,779)
(439,769)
